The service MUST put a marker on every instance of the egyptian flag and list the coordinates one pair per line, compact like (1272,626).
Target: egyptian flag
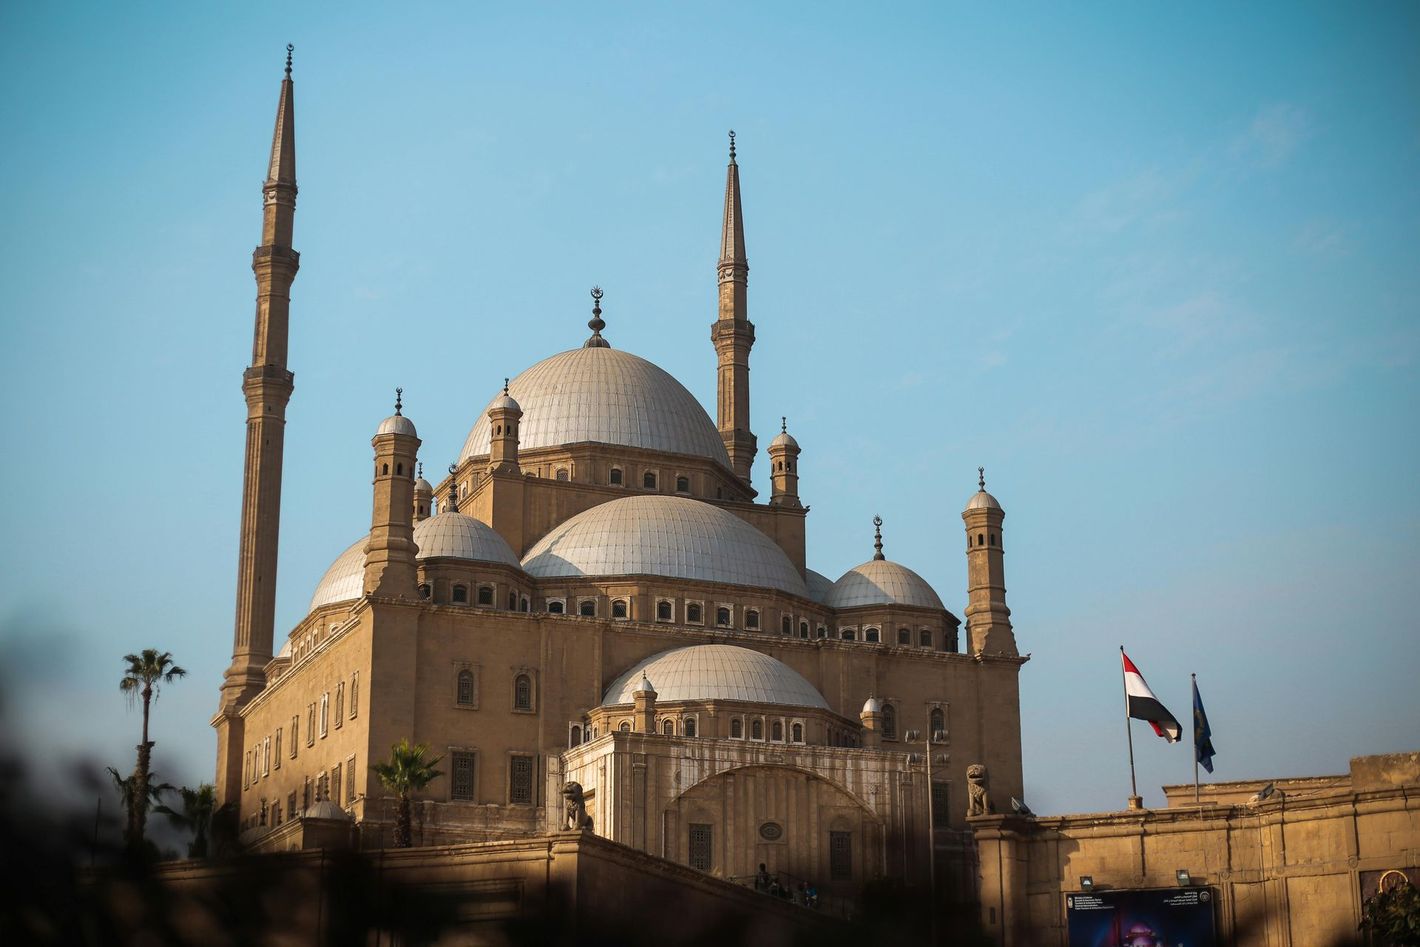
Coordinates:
(1143,705)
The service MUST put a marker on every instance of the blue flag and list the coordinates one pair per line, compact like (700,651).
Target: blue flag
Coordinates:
(1202,733)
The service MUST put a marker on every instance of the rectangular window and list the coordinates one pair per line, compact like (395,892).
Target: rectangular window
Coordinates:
(702,837)
(354,695)
(295,733)
(335,783)
(311,725)
(462,766)
(276,755)
(291,805)
(840,856)
(339,704)
(520,780)
(266,757)
(246,770)
(350,780)
(941,805)
(306,794)
(324,714)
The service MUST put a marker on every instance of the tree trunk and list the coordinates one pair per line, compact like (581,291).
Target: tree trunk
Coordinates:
(138,812)
(404,823)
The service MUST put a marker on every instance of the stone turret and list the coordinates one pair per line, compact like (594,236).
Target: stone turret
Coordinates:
(784,467)
(423,497)
(644,713)
(503,417)
(390,569)
(988,618)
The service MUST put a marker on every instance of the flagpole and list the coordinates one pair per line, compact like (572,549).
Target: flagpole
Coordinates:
(1134,801)
(1196,791)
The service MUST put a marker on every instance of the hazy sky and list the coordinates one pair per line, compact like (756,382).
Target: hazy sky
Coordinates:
(1154,266)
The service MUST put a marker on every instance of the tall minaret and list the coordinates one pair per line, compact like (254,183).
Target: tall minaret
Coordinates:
(267,385)
(733,333)
(987,617)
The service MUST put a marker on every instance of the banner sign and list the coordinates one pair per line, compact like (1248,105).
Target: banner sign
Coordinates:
(1150,917)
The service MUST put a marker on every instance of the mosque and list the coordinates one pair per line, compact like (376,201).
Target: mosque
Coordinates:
(596,594)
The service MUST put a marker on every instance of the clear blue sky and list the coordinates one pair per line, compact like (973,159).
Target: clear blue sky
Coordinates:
(1154,266)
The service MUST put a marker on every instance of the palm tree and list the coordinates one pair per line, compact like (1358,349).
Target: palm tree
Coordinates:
(146,672)
(406,773)
(127,785)
(196,816)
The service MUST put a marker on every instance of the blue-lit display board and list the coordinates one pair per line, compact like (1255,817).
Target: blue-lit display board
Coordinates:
(1149,917)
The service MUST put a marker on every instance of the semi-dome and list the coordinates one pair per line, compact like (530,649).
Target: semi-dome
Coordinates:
(450,535)
(819,585)
(716,672)
(607,396)
(882,582)
(674,537)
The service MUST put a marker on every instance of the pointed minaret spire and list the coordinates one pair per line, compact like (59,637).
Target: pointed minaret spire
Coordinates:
(596,323)
(267,385)
(453,489)
(878,539)
(981,479)
(398,401)
(733,333)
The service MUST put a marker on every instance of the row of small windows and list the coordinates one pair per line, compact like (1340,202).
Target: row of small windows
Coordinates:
(485,595)
(324,785)
(887,723)
(466,690)
(982,537)
(463,769)
(265,755)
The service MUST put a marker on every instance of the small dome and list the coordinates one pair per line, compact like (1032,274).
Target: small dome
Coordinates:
(326,809)
(981,500)
(872,706)
(424,486)
(646,684)
(396,424)
(882,582)
(672,537)
(504,402)
(448,535)
(717,672)
(819,585)
(606,396)
(784,439)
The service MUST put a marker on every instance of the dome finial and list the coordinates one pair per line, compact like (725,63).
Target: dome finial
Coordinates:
(783,424)
(505,385)
(453,489)
(398,401)
(732,146)
(981,478)
(421,470)
(878,538)
(596,324)
(289,50)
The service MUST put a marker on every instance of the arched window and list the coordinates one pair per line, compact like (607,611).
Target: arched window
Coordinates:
(512,601)
(562,474)
(722,617)
(980,539)
(615,476)
(737,729)
(822,632)
(871,634)
(694,613)
(524,604)
(904,636)
(648,480)
(776,732)
(803,629)
(625,726)
(460,595)
(522,692)
(385,469)
(848,634)
(465,688)
(668,727)
(925,638)
(574,737)
(992,537)
(938,726)
(889,722)
(399,472)
(797,733)
(786,625)
(485,595)
(682,484)
(618,608)
(665,611)
(687,726)
(756,730)
(556,607)
(752,620)
(424,590)
(587,608)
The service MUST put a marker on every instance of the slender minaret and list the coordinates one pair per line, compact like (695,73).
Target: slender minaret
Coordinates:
(503,416)
(784,467)
(733,333)
(267,385)
(987,617)
(390,567)
(423,497)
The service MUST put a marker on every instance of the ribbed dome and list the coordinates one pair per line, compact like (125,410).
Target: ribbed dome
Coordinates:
(981,500)
(607,396)
(784,439)
(819,585)
(451,535)
(666,536)
(882,582)
(716,672)
(396,424)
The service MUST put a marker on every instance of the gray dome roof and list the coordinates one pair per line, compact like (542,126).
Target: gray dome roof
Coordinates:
(607,396)
(981,500)
(784,439)
(326,809)
(819,585)
(505,402)
(716,672)
(674,537)
(396,424)
(882,582)
(423,485)
(451,535)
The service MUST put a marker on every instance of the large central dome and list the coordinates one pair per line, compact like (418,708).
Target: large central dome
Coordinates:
(607,396)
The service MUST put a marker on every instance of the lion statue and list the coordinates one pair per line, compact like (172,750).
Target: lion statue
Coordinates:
(575,808)
(977,801)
